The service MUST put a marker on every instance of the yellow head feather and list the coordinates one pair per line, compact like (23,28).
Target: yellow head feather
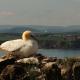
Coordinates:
(26,35)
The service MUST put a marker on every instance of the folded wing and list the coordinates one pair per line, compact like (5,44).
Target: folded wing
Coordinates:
(12,45)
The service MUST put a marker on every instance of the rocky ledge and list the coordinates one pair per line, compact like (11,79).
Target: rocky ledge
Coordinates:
(39,67)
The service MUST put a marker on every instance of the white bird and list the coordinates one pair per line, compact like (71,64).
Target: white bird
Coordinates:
(21,47)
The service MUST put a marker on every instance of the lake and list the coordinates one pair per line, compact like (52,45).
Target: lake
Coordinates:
(60,52)
(57,53)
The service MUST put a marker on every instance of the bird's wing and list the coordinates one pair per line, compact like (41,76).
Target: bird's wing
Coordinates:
(12,45)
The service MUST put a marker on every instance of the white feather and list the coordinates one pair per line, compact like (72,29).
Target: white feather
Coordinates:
(12,45)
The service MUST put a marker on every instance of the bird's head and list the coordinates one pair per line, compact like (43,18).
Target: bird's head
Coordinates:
(26,35)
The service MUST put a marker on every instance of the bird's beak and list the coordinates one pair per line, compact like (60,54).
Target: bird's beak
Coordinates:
(32,36)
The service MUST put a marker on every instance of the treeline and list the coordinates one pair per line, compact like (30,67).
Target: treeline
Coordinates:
(59,41)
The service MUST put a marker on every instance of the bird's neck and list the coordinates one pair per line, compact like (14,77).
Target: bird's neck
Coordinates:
(25,38)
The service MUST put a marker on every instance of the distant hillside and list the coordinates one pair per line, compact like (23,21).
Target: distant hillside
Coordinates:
(38,29)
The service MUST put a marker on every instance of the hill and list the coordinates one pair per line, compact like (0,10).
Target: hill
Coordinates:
(38,28)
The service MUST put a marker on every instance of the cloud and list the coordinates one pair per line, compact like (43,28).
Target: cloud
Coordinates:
(7,13)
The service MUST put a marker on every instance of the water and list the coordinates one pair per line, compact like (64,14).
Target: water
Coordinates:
(60,52)
(57,53)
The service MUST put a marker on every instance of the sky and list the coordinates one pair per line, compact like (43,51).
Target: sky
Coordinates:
(40,12)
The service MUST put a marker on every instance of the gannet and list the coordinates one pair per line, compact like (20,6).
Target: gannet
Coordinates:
(21,47)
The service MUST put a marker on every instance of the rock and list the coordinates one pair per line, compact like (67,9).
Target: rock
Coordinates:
(30,60)
(66,69)
(76,71)
(39,67)
(49,66)
(52,71)
(6,61)
(22,69)
(49,59)
(13,72)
